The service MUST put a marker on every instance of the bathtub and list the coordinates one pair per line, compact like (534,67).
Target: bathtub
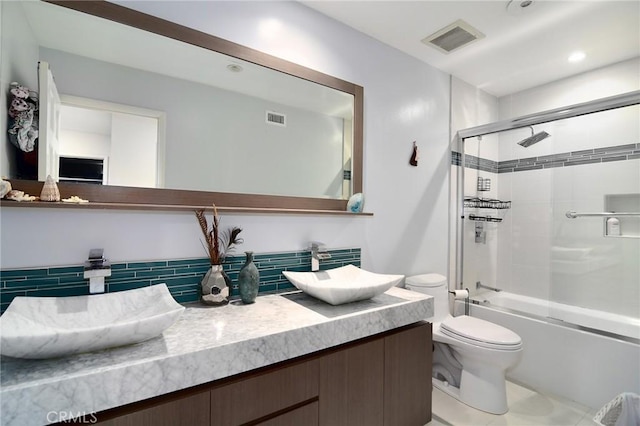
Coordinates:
(585,355)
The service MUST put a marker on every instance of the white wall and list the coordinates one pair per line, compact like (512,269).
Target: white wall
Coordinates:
(18,44)
(612,80)
(405,100)
(134,150)
(471,107)
(75,143)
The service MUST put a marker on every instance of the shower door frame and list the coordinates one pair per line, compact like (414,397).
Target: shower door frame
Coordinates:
(598,105)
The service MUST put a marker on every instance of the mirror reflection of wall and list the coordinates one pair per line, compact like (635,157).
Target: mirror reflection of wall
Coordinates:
(216,139)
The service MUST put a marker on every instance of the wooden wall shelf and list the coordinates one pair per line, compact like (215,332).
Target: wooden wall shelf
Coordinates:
(153,199)
(170,207)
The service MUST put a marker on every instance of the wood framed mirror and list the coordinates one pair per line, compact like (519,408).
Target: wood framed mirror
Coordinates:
(168,191)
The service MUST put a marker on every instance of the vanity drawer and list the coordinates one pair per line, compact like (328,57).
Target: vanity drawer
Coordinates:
(263,394)
(306,415)
(188,410)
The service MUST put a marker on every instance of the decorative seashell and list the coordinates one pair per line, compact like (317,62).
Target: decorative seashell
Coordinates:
(74,199)
(50,190)
(16,195)
(5,187)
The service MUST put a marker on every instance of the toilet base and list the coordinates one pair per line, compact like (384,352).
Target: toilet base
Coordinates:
(493,401)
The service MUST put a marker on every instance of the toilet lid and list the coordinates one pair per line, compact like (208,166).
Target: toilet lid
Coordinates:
(481,333)
(426,280)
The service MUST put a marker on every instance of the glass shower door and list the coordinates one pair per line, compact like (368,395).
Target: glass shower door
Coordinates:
(595,256)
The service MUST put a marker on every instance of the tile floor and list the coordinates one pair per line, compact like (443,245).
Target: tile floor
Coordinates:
(526,407)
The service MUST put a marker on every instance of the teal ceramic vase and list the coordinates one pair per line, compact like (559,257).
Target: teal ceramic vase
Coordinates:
(248,280)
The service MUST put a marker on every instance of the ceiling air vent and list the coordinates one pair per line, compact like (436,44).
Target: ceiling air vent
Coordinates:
(453,36)
(276,118)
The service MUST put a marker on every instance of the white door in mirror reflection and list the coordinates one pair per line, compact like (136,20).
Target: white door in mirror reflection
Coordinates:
(125,139)
(49,122)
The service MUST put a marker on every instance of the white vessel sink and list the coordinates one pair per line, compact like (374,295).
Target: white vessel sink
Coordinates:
(48,327)
(342,285)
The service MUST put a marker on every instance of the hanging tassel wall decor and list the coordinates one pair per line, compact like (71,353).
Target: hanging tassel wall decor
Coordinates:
(414,156)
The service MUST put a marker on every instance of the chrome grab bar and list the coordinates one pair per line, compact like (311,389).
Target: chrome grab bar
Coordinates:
(480,285)
(572,215)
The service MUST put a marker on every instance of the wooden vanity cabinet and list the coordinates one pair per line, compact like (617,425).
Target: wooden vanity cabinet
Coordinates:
(408,357)
(352,385)
(383,380)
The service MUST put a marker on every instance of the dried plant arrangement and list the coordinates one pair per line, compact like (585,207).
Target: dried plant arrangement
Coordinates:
(218,243)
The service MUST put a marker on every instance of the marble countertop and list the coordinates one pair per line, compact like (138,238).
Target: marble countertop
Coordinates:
(205,344)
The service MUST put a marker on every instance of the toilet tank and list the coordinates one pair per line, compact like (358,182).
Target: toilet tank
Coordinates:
(434,285)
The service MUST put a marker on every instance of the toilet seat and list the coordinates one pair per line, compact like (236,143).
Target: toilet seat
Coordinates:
(480,333)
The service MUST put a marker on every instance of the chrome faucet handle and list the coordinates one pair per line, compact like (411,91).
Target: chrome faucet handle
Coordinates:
(96,268)
(318,253)
(96,254)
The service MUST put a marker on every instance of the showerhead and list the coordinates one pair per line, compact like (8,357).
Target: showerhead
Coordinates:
(534,138)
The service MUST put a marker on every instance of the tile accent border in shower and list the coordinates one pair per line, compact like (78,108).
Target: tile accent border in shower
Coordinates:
(473,162)
(565,159)
(182,276)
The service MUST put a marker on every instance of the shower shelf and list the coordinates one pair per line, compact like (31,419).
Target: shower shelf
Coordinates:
(485,203)
(484,218)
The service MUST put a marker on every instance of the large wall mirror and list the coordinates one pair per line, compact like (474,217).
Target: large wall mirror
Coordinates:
(135,109)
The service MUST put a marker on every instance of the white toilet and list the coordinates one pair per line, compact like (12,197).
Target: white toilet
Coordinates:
(470,355)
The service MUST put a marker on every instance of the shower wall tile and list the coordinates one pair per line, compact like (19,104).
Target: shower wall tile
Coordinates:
(527,167)
(473,162)
(535,231)
(181,276)
(585,152)
(581,160)
(554,164)
(618,148)
(564,159)
(507,164)
(553,157)
(532,187)
(456,158)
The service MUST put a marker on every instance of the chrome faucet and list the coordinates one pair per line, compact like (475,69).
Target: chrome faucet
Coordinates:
(96,268)
(318,253)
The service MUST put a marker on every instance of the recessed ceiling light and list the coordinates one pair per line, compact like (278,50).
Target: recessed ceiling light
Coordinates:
(234,68)
(517,7)
(576,56)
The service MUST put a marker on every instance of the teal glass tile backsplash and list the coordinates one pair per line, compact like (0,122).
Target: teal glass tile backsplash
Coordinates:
(182,276)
